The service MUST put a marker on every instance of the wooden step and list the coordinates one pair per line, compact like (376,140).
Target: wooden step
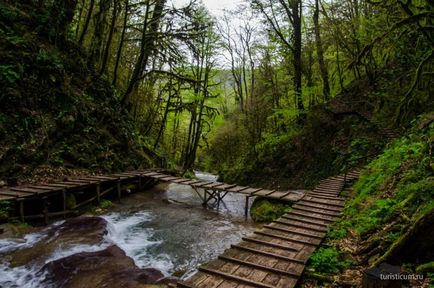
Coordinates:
(311,241)
(271,244)
(331,196)
(303,219)
(315,210)
(269,254)
(311,216)
(259,266)
(325,202)
(292,231)
(327,208)
(300,224)
(234,278)
(327,198)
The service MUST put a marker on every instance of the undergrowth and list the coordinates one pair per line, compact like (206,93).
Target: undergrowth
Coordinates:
(267,210)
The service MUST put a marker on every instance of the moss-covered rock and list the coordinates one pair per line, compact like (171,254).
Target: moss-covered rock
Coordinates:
(267,210)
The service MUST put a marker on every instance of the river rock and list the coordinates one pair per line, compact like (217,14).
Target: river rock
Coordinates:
(75,231)
(106,268)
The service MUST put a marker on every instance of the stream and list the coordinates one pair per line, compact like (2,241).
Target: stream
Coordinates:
(164,227)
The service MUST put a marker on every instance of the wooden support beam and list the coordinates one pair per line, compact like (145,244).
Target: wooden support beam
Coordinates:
(97,192)
(45,209)
(246,207)
(118,189)
(21,204)
(64,203)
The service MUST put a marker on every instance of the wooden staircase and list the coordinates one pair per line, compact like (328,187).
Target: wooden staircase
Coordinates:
(276,255)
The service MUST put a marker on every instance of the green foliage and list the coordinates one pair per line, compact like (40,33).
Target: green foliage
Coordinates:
(9,73)
(337,232)
(399,182)
(105,204)
(5,208)
(266,210)
(329,261)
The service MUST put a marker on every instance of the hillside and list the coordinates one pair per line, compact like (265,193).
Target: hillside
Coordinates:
(57,113)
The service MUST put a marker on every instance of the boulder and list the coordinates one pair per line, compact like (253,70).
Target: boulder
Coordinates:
(106,268)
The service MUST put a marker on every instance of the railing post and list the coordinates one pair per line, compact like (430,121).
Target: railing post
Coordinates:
(246,207)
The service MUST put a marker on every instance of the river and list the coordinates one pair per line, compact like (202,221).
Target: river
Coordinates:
(164,227)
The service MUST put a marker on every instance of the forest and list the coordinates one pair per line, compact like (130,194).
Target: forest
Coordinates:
(330,99)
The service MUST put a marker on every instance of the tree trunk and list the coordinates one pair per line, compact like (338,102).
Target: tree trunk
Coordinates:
(322,65)
(121,44)
(110,37)
(86,23)
(297,57)
(147,47)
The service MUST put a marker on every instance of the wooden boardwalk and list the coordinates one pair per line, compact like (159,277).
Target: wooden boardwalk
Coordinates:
(275,256)
(93,188)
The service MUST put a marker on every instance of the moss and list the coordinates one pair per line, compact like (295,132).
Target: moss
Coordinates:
(398,184)
(265,210)
(329,261)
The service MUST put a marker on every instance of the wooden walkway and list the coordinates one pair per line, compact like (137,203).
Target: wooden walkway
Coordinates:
(93,188)
(275,256)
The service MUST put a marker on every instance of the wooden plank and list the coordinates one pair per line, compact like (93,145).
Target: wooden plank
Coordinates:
(225,186)
(45,187)
(304,219)
(293,197)
(213,185)
(57,185)
(302,225)
(314,211)
(261,252)
(150,174)
(251,190)
(277,195)
(170,178)
(181,180)
(313,216)
(160,176)
(28,190)
(102,177)
(323,206)
(325,202)
(259,266)
(234,278)
(5,197)
(292,231)
(77,184)
(312,242)
(14,194)
(237,189)
(263,192)
(80,181)
(271,244)
(201,183)
(191,182)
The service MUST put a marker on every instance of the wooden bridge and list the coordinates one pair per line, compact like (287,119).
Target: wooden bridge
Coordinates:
(50,196)
(275,256)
